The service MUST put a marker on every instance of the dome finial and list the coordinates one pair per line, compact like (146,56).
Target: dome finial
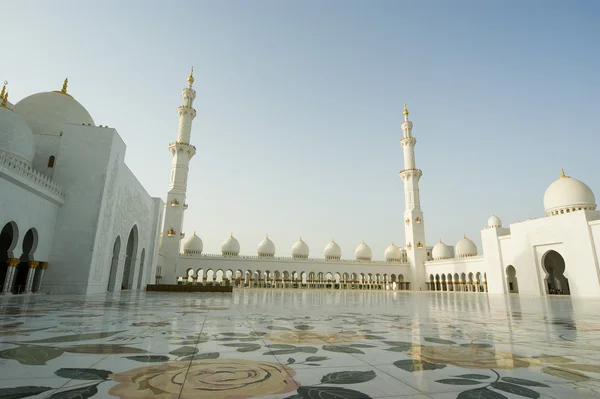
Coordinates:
(3,89)
(562,173)
(191,77)
(464,236)
(405,110)
(4,100)
(231,234)
(64,88)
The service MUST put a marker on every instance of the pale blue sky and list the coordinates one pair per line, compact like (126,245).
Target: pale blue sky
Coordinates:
(300,104)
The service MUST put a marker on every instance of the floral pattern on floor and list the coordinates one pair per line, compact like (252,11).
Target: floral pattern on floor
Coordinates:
(299,344)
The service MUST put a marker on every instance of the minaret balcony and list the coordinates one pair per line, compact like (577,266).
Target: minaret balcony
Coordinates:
(174,203)
(171,232)
(181,143)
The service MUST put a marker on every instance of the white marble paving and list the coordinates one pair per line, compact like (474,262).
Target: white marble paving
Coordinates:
(298,344)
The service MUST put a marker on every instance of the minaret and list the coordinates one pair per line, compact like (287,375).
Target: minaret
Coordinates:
(181,151)
(413,215)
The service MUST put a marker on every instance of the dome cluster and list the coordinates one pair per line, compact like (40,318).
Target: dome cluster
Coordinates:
(300,250)
(42,114)
(566,195)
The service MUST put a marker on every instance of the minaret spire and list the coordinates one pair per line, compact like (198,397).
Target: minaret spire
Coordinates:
(3,90)
(182,152)
(414,227)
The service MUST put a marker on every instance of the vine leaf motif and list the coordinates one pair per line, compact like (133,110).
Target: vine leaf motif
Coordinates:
(373,337)
(317,392)
(515,389)
(591,368)
(79,393)
(303,327)
(316,358)
(244,347)
(200,356)
(417,365)
(566,374)
(184,351)
(342,349)
(291,360)
(278,328)
(31,355)
(103,349)
(348,377)
(521,381)
(76,337)
(401,345)
(148,358)
(83,374)
(477,346)
(363,346)
(22,392)
(474,376)
(234,334)
(439,341)
(480,393)
(281,346)
(458,381)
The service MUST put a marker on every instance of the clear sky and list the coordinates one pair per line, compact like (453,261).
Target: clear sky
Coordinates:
(300,103)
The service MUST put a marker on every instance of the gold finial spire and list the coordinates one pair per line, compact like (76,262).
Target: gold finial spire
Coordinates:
(64,88)
(464,236)
(562,172)
(4,100)
(3,90)
(191,77)
(231,234)
(405,110)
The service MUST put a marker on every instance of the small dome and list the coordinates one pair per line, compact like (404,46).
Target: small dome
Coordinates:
(494,221)
(363,252)
(300,250)
(266,247)
(45,113)
(230,247)
(393,253)
(193,245)
(16,138)
(441,251)
(333,251)
(567,194)
(465,248)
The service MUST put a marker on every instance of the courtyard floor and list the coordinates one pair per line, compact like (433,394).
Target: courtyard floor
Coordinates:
(299,344)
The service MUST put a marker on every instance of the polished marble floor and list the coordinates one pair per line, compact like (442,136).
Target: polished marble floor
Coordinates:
(299,344)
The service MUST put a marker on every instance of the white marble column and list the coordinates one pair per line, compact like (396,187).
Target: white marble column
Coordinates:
(33,264)
(11,271)
(38,283)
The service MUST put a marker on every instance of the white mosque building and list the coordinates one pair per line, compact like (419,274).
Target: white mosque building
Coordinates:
(554,254)
(74,219)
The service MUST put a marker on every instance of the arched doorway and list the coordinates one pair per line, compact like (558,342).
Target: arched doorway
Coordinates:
(555,281)
(29,246)
(511,280)
(8,242)
(141,272)
(114,264)
(131,251)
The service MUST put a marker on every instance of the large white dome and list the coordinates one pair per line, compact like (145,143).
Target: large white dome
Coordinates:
(465,247)
(230,247)
(333,251)
(441,251)
(393,253)
(46,113)
(193,245)
(363,252)
(300,250)
(494,221)
(16,137)
(266,247)
(567,194)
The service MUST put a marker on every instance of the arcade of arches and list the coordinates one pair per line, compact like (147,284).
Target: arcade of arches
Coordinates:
(20,273)
(277,279)
(129,268)
(462,283)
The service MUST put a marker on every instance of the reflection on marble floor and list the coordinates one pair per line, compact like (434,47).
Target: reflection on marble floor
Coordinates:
(299,344)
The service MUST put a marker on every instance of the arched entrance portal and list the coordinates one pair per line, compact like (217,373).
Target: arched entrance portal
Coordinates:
(29,246)
(8,242)
(129,268)
(141,272)
(114,264)
(554,266)
(511,280)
